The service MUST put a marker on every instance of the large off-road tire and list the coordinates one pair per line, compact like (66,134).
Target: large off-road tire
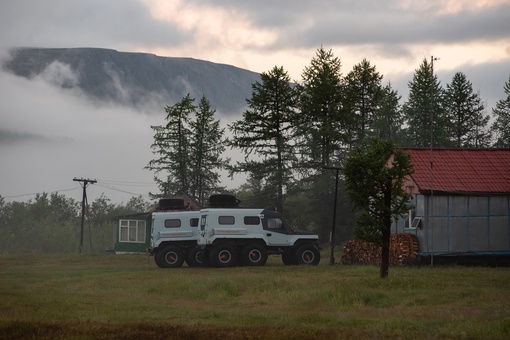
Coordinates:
(169,257)
(254,255)
(288,258)
(195,257)
(223,255)
(307,254)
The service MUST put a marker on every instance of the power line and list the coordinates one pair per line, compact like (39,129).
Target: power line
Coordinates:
(36,193)
(120,190)
(126,183)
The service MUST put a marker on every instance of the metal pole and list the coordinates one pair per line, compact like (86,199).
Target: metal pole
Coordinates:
(431,171)
(333,226)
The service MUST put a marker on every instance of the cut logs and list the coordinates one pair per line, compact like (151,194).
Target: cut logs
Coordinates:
(403,250)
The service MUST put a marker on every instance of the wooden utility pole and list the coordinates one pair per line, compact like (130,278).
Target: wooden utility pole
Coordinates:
(85,183)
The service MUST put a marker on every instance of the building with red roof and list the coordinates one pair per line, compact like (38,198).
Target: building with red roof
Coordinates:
(461,202)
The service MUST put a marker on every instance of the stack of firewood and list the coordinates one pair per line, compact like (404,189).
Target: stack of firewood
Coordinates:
(403,250)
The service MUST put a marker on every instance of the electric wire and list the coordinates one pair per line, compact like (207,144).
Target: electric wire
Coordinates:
(36,193)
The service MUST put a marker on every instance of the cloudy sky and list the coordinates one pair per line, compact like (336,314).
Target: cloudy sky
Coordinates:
(50,136)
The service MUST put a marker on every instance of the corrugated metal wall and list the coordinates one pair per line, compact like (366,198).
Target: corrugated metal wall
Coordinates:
(460,224)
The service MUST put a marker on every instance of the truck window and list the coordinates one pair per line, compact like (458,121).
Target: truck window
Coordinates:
(173,223)
(274,223)
(203,222)
(251,220)
(226,220)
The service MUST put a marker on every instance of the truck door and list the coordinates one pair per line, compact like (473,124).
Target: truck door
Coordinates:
(276,229)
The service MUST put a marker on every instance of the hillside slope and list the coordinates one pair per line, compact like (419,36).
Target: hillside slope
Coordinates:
(136,79)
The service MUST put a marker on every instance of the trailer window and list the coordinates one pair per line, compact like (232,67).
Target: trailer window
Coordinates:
(193,222)
(173,223)
(251,220)
(226,220)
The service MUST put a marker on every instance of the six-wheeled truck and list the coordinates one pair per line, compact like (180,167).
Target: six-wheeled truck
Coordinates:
(174,235)
(237,236)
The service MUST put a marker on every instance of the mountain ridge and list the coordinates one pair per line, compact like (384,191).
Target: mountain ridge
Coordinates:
(136,78)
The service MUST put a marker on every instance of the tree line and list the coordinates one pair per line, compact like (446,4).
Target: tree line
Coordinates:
(293,136)
(293,133)
(51,223)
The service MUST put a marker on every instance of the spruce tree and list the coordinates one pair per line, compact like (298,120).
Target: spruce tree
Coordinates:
(423,111)
(501,126)
(465,114)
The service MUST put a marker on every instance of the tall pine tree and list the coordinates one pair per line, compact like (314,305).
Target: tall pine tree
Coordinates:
(465,114)
(206,149)
(424,112)
(363,93)
(501,126)
(188,150)
(322,123)
(388,120)
(172,146)
(265,134)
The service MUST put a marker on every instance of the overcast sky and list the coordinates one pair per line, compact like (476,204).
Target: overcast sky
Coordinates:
(51,136)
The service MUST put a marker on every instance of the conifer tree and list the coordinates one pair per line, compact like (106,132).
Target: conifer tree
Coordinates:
(206,149)
(363,93)
(322,123)
(423,111)
(388,120)
(465,113)
(172,146)
(501,126)
(264,134)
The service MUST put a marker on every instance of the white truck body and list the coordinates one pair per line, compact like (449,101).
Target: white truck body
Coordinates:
(174,238)
(231,236)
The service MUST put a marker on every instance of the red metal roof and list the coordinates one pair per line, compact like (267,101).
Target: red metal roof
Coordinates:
(461,170)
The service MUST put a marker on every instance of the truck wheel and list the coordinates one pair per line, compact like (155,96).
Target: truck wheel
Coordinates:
(254,255)
(195,257)
(307,254)
(169,257)
(223,255)
(288,258)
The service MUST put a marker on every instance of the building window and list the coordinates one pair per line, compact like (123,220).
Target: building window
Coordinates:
(226,220)
(132,231)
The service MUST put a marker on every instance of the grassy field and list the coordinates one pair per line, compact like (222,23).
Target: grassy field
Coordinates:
(127,296)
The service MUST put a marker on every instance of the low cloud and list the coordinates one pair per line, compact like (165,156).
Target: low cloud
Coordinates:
(50,135)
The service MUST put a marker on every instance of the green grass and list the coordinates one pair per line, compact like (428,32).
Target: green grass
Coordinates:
(128,296)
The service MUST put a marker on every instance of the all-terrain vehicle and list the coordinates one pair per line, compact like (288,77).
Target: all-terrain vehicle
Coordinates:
(237,236)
